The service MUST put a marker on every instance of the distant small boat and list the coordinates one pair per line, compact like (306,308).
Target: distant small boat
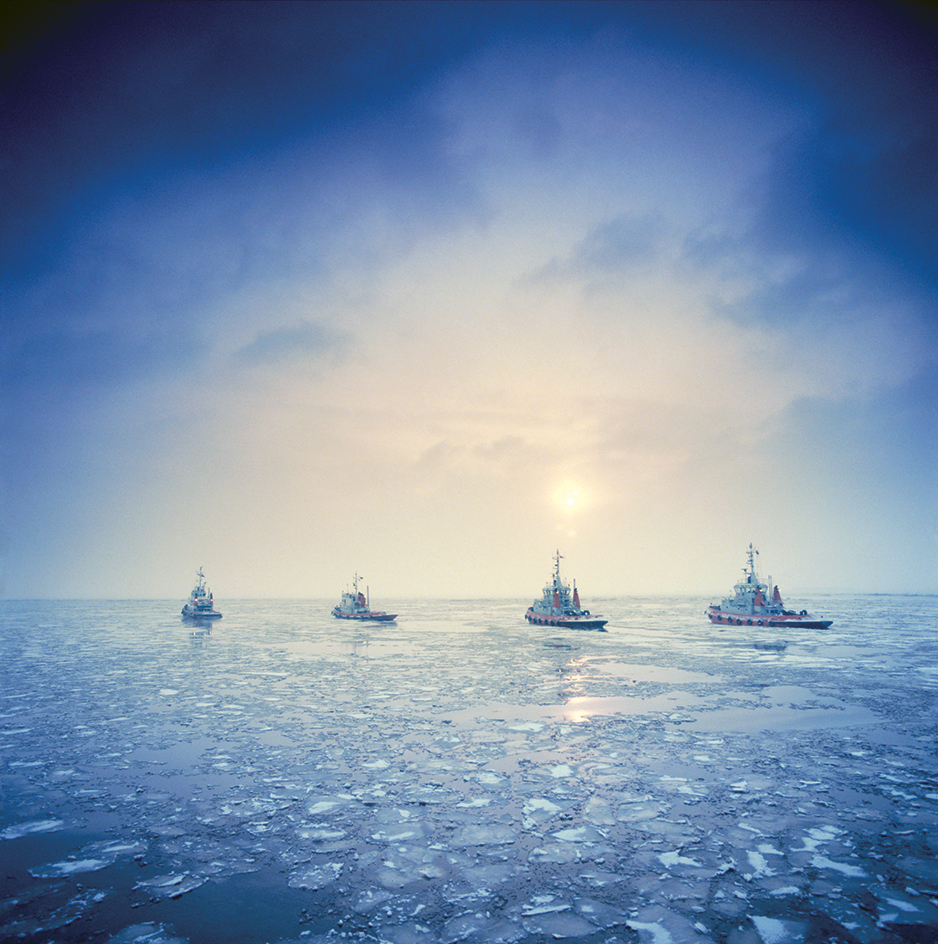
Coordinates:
(356,606)
(759,604)
(558,608)
(201,605)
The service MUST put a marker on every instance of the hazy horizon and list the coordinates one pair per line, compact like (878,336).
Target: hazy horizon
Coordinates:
(793,598)
(431,290)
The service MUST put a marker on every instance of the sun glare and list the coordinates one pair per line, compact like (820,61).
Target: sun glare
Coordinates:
(569,497)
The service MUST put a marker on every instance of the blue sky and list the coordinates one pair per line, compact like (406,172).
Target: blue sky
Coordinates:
(430,290)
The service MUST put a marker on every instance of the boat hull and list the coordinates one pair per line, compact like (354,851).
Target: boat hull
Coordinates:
(567,622)
(776,620)
(200,615)
(370,617)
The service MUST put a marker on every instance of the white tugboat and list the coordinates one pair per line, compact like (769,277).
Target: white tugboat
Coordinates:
(759,604)
(559,608)
(201,605)
(356,606)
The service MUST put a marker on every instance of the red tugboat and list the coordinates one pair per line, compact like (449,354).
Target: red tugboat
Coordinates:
(759,604)
(356,606)
(201,605)
(558,608)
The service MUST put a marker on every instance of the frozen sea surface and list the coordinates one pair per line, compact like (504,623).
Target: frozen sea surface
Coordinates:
(462,776)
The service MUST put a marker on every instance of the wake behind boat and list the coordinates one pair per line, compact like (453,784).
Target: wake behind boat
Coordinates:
(356,606)
(759,604)
(558,608)
(201,605)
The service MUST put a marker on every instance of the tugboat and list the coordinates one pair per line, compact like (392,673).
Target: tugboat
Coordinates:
(558,608)
(201,605)
(356,606)
(760,604)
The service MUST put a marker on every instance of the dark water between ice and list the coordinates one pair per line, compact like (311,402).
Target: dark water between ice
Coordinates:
(463,776)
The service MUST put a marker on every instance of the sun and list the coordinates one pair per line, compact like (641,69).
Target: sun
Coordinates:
(570,497)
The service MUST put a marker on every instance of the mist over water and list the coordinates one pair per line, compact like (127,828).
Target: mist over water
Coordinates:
(460,775)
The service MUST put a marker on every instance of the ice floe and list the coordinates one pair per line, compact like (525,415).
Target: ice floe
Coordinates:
(466,779)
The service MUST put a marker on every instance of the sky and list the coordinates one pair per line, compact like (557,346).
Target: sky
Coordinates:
(428,291)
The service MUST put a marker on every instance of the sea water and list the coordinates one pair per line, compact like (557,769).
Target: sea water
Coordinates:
(460,775)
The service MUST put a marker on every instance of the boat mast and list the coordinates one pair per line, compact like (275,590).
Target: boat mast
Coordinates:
(752,578)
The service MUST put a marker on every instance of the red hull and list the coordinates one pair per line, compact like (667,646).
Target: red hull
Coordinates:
(371,617)
(568,622)
(777,620)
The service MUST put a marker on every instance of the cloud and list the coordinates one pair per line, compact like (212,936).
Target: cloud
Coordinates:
(304,341)
(452,271)
(71,363)
(610,248)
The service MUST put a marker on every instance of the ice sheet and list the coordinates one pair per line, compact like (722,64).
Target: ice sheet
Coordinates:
(463,776)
